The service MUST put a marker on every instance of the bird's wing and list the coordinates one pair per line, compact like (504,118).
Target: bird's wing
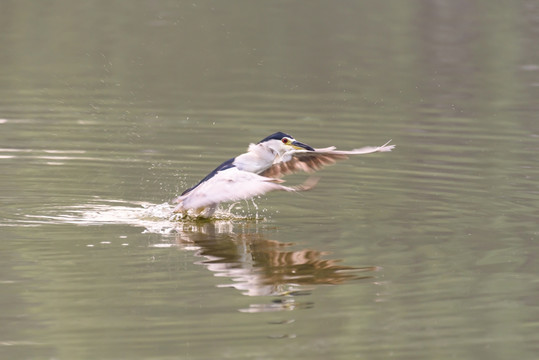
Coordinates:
(311,161)
(231,185)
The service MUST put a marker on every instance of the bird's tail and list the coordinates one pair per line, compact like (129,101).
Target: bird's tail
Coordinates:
(179,207)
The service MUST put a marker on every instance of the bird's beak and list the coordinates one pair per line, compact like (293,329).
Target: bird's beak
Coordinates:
(301,146)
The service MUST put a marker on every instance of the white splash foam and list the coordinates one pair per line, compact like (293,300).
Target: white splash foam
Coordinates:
(154,218)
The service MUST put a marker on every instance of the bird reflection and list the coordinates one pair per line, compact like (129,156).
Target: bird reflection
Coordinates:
(264,267)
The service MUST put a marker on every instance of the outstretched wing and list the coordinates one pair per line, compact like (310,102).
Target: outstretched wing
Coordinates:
(311,161)
(233,184)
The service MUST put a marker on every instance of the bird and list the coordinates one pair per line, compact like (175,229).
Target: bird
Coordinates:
(259,171)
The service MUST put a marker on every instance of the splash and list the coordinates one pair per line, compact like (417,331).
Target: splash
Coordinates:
(154,218)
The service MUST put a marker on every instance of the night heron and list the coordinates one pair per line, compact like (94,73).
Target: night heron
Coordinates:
(259,170)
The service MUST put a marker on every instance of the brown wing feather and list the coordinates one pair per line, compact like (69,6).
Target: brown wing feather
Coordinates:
(311,161)
(304,161)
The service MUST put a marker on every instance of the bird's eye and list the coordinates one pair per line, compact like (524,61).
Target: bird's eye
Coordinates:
(285,141)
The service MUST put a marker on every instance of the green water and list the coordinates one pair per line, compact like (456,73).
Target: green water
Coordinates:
(109,109)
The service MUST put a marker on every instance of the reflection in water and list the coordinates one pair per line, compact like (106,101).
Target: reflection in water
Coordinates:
(232,247)
(263,267)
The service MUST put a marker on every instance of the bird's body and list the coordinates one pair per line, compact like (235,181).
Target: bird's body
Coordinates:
(258,171)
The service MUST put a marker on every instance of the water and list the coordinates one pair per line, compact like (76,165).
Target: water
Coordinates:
(108,111)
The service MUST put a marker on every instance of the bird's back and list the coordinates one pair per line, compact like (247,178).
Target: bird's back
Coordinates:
(225,165)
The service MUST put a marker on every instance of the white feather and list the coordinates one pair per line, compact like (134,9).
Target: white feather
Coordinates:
(231,185)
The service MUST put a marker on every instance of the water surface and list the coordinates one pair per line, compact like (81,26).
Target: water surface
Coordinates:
(109,111)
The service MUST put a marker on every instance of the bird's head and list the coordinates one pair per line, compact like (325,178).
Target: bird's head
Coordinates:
(281,143)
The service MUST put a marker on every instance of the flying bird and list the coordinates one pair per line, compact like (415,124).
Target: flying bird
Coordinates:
(259,171)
